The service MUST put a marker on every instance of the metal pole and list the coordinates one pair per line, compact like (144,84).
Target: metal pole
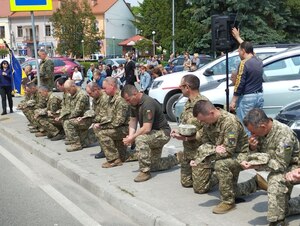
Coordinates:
(35,48)
(173,27)
(82,41)
(153,40)
(114,48)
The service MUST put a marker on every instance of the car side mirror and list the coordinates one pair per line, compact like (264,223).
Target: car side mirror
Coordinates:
(208,72)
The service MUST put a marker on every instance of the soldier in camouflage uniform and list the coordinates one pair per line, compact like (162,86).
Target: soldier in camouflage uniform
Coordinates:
(79,104)
(281,144)
(114,127)
(65,110)
(46,70)
(36,101)
(97,114)
(45,117)
(294,203)
(224,146)
(151,136)
(190,88)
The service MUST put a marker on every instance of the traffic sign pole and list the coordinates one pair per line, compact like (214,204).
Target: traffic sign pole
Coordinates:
(35,48)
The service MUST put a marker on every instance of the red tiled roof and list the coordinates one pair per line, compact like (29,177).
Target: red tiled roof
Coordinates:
(131,41)
(100,8)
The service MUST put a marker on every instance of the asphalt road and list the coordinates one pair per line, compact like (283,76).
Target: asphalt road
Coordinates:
(33,193)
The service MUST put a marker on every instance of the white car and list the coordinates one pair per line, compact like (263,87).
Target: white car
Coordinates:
(281,84)
(165,89)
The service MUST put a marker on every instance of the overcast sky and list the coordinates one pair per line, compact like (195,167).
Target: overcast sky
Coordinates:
(134,2)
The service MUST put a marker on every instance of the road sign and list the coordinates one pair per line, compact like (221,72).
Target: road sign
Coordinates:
(30,5)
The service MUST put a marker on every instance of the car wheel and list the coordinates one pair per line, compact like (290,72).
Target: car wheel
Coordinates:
(170,107)
(55,83)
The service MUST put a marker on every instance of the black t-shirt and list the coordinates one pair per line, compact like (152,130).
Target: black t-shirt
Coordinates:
(129,72)
(150,111)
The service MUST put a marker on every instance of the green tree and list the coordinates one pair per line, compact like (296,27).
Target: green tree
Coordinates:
(72,23)
(143,45)
(262,22)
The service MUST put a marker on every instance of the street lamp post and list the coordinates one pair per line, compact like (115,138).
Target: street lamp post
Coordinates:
(82,42)
(153,42)
(114,48)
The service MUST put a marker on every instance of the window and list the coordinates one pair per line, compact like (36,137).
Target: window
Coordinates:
(58,63)
(20,31)
(282,70)
(2,32)
(48,30)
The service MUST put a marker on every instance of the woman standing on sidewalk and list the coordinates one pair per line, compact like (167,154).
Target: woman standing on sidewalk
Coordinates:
(6,86)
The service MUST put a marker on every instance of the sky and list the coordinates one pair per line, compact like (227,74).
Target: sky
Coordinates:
(134,2)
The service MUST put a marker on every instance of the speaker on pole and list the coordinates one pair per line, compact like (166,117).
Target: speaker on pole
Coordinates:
(222,39)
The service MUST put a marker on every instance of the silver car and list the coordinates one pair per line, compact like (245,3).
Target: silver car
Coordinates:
(281,84)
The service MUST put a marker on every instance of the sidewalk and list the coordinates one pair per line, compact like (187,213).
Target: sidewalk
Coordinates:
(161,201)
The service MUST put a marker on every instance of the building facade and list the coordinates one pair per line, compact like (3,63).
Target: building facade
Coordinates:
(113,18)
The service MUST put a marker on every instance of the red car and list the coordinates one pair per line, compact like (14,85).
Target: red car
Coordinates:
(63,66)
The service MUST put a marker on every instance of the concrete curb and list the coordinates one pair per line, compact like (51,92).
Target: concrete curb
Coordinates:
(139,211)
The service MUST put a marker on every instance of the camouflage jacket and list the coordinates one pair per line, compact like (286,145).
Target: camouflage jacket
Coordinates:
(36,101)
(117,112)
(79,103)
(188,118)
(229,132)
(46,68)
(282,145)
(100,107)
(53,105)
(65,106)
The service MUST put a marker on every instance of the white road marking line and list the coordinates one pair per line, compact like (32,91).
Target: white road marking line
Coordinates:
(63,201)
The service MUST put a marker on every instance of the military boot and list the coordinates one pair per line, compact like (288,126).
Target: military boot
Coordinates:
(278,223)
(113,163)
(40,134)
(59,136)
(68,142)
(261,182)
(141,177)
(223,208)
(74,147)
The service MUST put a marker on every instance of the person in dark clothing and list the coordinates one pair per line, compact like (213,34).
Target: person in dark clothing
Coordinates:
(6,86)
(248,89)
(130,70)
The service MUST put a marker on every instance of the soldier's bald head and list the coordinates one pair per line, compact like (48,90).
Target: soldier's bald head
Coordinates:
(112,81)
(69,84)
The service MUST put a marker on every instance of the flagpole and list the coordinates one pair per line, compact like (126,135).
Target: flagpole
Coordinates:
(35,48)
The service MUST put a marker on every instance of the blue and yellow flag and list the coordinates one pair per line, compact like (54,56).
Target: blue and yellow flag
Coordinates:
(16,71)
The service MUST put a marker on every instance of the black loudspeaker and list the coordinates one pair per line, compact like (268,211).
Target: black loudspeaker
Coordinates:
(222,39)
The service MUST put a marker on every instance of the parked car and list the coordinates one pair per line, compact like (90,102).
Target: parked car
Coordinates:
(166,91)
(21,59)
(62,66)
(290,115)
(115,61)
(178,63)
(281,84)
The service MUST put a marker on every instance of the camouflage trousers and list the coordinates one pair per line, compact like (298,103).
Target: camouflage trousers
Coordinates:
(149,148)
(189,153)
(49,125)
(204,177)
(227,171)
(279,192)
(77,131)
(111,142)
(48,82)
(200,177)
(294,204)
(29,114)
